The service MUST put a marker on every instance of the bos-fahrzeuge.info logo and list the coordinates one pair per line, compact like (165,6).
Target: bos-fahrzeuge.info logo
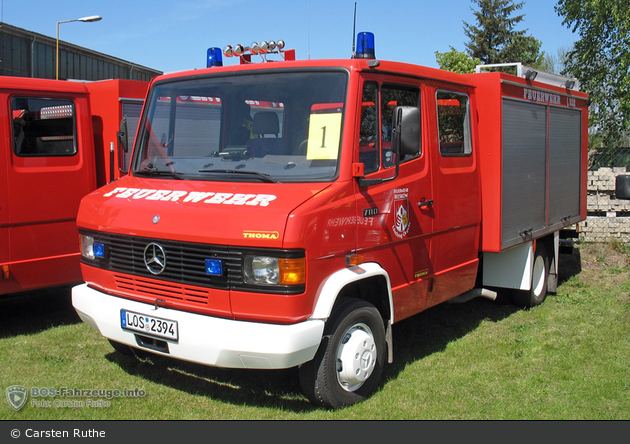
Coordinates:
(46,397)
(17,396)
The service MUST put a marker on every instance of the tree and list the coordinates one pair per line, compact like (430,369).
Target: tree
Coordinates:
(456,61)
(495,40)
(600,59)
(555,64)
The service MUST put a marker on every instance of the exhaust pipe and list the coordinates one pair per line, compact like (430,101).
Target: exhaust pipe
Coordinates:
(472,294)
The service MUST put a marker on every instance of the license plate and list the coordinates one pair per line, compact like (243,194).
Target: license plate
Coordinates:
(149,325)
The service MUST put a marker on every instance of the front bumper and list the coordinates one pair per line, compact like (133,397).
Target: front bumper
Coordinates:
(205,339)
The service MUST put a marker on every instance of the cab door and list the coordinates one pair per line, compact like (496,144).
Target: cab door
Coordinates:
(51,167)
(394,218)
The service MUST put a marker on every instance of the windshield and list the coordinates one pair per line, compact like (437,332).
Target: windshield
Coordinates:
(270,127)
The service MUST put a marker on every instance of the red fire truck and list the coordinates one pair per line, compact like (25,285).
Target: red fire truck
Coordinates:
(298,235)
(57,146)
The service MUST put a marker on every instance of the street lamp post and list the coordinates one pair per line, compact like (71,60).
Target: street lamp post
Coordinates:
(92,18)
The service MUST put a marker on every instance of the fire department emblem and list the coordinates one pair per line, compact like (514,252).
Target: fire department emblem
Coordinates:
(401,218)
(17,396)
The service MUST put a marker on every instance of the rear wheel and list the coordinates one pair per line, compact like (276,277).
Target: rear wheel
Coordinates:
(349,361)
(540,278)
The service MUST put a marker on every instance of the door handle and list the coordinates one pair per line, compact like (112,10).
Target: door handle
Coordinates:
(425,203)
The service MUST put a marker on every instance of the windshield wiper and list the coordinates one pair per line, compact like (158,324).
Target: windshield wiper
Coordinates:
(263,176)
(150,172)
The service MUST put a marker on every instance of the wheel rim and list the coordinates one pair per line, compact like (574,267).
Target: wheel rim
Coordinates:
(356,357)
(538,277)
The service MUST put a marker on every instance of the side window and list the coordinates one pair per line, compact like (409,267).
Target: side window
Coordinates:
(43,127)
(368,135)
(375,143)
(453,113)
(391,97)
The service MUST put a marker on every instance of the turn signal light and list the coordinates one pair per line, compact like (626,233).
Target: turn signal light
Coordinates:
(352,260)
(292,271)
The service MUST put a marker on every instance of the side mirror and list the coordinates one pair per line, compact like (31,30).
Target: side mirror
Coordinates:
(122,134)
(622,187)
(406,130)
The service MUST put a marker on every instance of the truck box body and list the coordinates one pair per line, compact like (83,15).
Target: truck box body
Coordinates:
(533,161)
(110,101)
(288,214)
(50,157)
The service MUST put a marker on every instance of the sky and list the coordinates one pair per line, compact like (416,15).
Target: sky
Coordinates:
(174,35)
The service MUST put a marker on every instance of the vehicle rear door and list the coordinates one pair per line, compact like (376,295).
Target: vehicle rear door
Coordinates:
(457,201)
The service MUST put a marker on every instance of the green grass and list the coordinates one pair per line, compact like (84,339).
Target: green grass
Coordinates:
(565,360)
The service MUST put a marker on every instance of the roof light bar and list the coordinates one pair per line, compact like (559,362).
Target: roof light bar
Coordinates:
(261,49)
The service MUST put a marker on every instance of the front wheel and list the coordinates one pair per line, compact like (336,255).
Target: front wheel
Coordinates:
(540,278)
(349,361)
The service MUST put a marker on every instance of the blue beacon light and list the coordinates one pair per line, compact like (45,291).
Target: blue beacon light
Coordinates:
(215,57)
(98,249)
(214,267)
(365,46)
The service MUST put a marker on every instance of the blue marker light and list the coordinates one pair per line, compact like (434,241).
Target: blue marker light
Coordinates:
(98,249)
(365,46)
(215,57)
(214,267)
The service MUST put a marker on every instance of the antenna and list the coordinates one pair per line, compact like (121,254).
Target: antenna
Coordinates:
(354,26)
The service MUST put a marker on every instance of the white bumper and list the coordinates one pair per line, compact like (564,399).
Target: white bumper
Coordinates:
(205,339)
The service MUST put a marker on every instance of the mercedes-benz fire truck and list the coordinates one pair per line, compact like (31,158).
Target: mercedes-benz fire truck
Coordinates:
(290,213)
(59,143)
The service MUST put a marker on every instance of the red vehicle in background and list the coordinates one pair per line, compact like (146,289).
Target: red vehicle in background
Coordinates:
(58,143)
(299,234)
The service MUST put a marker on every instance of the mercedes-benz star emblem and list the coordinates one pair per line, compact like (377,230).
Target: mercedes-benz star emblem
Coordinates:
(155,258)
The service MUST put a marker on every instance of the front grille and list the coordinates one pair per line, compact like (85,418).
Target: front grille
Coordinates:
(184,266)
(185,261)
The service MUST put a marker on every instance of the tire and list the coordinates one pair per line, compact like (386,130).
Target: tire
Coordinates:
(348,364)
(540,280)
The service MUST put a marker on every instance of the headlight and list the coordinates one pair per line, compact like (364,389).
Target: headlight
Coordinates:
(90,249)
(262,270)
(267,270)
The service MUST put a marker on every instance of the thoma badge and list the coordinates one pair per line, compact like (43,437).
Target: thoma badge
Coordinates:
(17,396)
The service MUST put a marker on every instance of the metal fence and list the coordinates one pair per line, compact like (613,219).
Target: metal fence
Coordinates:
(617,157)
